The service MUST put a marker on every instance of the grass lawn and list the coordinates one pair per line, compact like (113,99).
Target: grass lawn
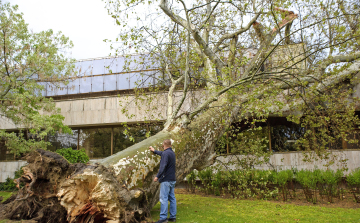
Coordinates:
(5,195)
(195,208)
(198,209)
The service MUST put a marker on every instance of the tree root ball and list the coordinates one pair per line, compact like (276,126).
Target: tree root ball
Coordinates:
(55,191)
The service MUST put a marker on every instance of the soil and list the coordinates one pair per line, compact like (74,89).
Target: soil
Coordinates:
(347,200)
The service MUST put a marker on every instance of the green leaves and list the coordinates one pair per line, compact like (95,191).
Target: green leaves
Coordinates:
(74,156)
(28,61)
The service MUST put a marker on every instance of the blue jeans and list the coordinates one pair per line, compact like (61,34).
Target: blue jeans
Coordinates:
(167,194)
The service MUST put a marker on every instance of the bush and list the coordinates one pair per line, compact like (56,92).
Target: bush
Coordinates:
(74,156)
(239,183)
(206,177)
(330,183)
(9,184)
(309,182)
(282,179)
(353,180)
(217,182)
(263,184)
(191,179)
(260,182)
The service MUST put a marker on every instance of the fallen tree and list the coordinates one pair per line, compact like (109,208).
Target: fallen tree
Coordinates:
(120,188)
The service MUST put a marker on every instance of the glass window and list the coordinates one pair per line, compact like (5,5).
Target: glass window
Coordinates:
(98,67)
(60,140)
(110,65)
(97,84)
(148,79)
(120,62)
(84,68)
(85,84)
(135,80)
(51,89)
(96,142)
(73,86)
(4,153)
(123,81)
(110,82)
(62,89)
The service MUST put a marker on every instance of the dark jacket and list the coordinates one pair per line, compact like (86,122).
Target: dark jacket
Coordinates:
(167,165)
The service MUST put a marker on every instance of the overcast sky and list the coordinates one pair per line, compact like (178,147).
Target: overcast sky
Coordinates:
(86,22)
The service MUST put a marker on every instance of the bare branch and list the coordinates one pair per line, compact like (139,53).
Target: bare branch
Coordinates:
(177,19)
(208,16)
(187,68)
(287,33)
(261,56)
(236,33)
(195,33)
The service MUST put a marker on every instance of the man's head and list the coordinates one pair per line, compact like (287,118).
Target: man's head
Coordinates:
(167,143)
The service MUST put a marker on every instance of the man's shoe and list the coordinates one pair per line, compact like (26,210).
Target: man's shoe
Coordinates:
(172,219)
(162,221)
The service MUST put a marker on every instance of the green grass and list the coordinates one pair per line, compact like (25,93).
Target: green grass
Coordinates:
(198,209)
(5,195)
(195,208)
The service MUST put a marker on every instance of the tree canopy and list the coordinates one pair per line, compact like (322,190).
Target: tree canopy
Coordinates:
(27,60)
(292,58)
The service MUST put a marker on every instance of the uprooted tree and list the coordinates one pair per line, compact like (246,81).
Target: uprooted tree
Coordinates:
(243,60)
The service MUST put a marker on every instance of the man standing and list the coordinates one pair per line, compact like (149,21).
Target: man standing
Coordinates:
(167,180)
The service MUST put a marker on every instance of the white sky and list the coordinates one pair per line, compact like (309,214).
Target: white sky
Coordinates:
(85,22)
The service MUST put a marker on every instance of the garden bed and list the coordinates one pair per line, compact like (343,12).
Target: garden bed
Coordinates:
(300,199)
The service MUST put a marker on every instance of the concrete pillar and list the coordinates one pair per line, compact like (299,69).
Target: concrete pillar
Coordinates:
(269,130)
(78,140)
(112,141)
(344,143)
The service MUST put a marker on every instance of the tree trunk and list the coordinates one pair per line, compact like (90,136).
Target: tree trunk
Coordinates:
(119,188)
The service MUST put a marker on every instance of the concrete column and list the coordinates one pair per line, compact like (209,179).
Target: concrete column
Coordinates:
(78,140)
(344,143)
(269,130)
(112,141)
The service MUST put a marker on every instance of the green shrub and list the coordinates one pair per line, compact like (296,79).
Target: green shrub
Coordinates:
(217,182)
(282,179)
(245,183)
(309,180)
(260,184)
(249,183)
(9,184)
(353,180)
(191,180)
(206,177)
(74,156)
(330,183)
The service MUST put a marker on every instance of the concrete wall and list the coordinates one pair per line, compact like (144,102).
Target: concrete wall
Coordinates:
(7,169)
(108,110)
(288,160)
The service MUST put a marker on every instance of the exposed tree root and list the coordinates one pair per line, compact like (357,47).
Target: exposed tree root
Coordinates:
(34,208)
(56,191)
